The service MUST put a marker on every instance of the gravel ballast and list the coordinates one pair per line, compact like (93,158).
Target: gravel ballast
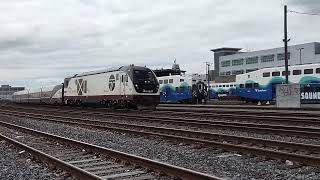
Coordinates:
(17,164)
(216,130)
(206,160)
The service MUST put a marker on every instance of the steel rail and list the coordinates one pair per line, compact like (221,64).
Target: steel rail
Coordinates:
(225,114)
(261,128)
(239,106)
(162,168)
(75,171)
(183,108)
(193,137)
(240,111)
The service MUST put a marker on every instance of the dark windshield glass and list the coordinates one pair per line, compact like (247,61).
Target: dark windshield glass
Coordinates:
(141,76)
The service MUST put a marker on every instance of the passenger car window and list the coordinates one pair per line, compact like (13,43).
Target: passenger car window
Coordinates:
(284,73)
(266,74)
(296,72)
(160,81)
(170,81)
(318,70)
(276,73)
(249,85)
(308,71)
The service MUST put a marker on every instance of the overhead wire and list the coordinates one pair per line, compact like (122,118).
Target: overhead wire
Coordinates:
(304,13)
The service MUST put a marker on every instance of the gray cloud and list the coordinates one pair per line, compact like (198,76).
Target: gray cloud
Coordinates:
(311,5)
(44,41)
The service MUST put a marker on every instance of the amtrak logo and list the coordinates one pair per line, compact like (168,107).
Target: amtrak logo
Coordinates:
(112,82)
(81,86)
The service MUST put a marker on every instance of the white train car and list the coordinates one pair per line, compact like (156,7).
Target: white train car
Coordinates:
(43,95)
(261,84)
(125,86)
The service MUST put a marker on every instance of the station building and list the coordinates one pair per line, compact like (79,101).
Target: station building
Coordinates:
(231,61)
(7,91)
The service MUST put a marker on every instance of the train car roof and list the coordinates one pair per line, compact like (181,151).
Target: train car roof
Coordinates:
(96,72)
(112,69)
(269,69)
(36,90)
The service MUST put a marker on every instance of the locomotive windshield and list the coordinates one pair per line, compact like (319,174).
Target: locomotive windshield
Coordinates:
(145,81)
(144,76)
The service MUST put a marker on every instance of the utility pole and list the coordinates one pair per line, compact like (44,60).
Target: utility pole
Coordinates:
(208,64)
(285,40)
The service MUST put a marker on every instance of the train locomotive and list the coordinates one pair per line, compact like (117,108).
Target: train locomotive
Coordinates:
(124,87)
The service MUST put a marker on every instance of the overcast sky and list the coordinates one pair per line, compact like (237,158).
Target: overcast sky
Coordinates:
(42,41)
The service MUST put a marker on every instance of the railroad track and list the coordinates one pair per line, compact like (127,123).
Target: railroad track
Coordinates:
(188,123)
(87,161)
(238,106)
(304,153)
(242,111)
(273,117)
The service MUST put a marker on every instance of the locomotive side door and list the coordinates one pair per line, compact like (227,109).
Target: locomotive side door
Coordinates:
(123,79)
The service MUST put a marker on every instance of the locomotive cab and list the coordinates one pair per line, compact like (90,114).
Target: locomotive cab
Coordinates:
(145,81)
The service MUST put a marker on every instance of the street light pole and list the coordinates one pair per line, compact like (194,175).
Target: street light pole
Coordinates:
(300,54)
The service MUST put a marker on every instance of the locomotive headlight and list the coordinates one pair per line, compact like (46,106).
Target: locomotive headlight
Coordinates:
(136,85)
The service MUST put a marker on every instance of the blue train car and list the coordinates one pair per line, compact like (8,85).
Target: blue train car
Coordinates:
(261,85)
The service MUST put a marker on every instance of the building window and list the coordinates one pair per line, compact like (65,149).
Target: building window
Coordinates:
(266,74)
(308,71)
(170,81)
(280,56)
(225,63)
(252,60)
(276,73)
(166,81)
(222,73)
(160,81)
(284,73)
(267,58)
(318,70)
(296,72)
(237,62)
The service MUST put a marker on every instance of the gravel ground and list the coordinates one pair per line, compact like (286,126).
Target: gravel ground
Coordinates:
(207,160)
(243,132)
(29,140)
(17,165)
